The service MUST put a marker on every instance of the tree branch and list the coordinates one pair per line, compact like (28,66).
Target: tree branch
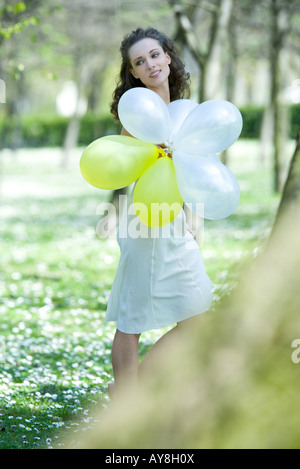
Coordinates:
(185,32)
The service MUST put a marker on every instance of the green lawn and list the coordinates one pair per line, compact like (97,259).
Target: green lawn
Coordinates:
(55,279)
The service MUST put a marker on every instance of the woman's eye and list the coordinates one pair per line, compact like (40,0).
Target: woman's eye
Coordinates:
(139,62)
(155,55)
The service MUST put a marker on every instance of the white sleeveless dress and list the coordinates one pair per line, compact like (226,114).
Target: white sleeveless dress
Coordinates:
(160,279)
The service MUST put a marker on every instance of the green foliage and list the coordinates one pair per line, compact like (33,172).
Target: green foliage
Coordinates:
(92,127)
(13,23)
(252,121)
(49,131)
(55,280)
(253,118)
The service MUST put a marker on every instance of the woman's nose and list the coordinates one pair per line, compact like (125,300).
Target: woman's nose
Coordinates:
(150,63)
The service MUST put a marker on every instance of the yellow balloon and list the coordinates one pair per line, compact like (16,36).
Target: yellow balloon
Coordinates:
(116,161)
(156,197)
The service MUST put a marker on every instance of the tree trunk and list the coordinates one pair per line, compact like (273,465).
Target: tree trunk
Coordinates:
(279,28)
(71,137)
(210,61)
(290,200)
(216,49)
(266,135)
(2,101)
(185,36)
(230,71)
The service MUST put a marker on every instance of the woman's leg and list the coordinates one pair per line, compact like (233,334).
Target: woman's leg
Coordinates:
(125,356)
(125,360)
(172,336)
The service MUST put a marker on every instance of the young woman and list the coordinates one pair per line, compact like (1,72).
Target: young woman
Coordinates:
(160,281)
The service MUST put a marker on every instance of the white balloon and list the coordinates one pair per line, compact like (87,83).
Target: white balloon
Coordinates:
(178,111)
(209,128)
(144,114)
(207,185)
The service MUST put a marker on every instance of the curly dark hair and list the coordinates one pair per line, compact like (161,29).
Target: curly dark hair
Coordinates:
(179,79)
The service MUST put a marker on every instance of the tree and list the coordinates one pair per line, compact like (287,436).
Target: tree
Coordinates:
(280,13)
(271,23)
(208,60)
(268,22)
(14,19)
(290,200)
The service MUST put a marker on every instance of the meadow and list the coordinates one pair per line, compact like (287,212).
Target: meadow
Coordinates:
(55,279)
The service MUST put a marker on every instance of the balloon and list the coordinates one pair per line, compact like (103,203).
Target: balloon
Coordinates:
(144,115)
(116,161)
(178,111)
(156,197)
(192,133)
(209,128)
(206,184)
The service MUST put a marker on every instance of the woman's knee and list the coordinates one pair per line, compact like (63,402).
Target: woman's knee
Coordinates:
(127,337)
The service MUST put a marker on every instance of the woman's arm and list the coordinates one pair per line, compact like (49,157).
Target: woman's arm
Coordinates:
(195,225)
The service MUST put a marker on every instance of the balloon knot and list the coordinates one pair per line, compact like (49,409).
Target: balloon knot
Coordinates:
(162,153)
(165,151)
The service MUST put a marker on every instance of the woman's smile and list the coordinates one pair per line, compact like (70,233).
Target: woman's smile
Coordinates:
(155,74)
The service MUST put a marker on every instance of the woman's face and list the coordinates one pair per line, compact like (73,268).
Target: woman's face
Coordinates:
(149,62)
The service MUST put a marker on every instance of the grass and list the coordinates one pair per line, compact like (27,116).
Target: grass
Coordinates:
(55,280)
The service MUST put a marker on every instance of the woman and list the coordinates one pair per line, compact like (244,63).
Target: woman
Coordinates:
(160,280)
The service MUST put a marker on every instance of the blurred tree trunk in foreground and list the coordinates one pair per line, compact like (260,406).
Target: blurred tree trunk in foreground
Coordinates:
(233,380)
